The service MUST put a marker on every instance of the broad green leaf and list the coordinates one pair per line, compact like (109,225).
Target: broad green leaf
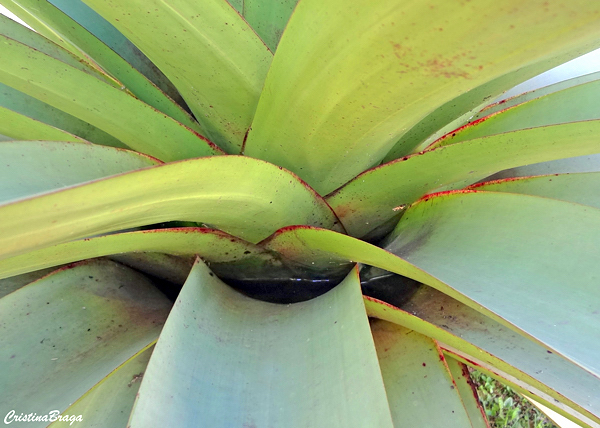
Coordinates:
(47,16)
(589,163)
(310,364)
(419,386)
(535,94)
(215,247)
(12,283)
(581,188)
(136,124)
(468,392)
(66,332)
(108,34)
(25,105)
(222,80)
(577,103)
(242,196)
(382,193)
(20,127)
(467,332)
(32,167)
(22,34)
(109,403)
(349,79)
(503,251)
(268,18)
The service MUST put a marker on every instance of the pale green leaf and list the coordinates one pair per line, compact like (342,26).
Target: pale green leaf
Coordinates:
(108,404)
(490,344)
(503,251)
(380,194)
(468,392)
(418,384)
(580,188)
(214,246)
(23,104)
(32,167)
(136,124)
(43,16)
(221,81)
(242,196)
(307,364)
(350,78)
(66,332)
(268,18)
(573,104)
(20,127)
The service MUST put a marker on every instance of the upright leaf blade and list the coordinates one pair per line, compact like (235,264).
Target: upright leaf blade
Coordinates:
(307,364)
(222,80)
(419,386)
(349,79)
(136,124)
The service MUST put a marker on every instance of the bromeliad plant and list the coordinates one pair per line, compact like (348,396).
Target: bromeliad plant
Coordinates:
(274,156)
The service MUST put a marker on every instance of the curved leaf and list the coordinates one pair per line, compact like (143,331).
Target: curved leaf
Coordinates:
(577,103)
(589,163)
(214,246)
(23,104)
(349,79)
(33,167)
(418,384)
(268,18)
(136,124)
(242,196)
(46,16)
(67,331)
(307,364)
(20,127)
(382,193)
(530,247)
(582,188)
(222,80)
(470,333)
(109,403)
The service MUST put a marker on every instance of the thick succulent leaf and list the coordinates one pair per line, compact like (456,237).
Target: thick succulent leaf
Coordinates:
(582,188)
(589,163)
(349,80)
(32,167)
(20,127)
(214,246)
(136,124)
(109,403)
(242,196)
(307,364)
(467,332)
(268,18)
(12,283)
(22,34)
(109,35)
(573,104)
(380,194)
(419,386)
(535,94)
(468,392)
(47,16)
(66,332)
(23,104)
(504,251)
(222,80)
